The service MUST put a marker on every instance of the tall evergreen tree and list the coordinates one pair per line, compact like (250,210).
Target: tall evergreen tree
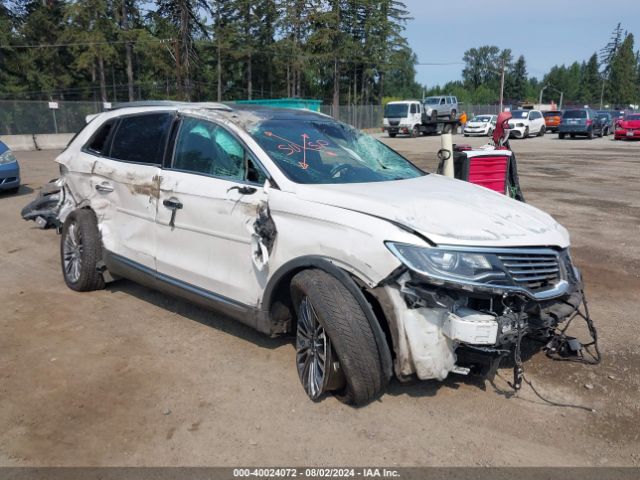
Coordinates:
(624,75)
(590,81)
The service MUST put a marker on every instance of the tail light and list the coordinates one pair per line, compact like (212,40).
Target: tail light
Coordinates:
(589,122)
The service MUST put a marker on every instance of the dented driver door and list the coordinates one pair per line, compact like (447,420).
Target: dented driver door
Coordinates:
(209,200)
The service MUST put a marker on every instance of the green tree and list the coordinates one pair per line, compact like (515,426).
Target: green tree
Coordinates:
(184,17)
(624,75)
(517,80)
(590,81)
(90,25)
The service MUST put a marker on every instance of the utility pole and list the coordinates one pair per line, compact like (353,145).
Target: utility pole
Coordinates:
(540,100)
(502,87)
(560,105)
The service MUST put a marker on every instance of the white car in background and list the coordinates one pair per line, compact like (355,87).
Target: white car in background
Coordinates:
(525,123)
(482,125)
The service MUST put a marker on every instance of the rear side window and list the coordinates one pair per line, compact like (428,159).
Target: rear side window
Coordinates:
(142,138)
(98,142)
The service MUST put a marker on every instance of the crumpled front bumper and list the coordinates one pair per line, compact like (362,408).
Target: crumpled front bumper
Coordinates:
(431,324)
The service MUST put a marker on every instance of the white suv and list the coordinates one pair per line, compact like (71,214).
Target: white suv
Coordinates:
(527,123)
(291,222)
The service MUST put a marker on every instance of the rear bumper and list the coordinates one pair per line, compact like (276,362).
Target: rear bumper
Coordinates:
(575,129)
(624,134)
(9,176)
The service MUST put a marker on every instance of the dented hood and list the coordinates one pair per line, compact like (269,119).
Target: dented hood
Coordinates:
(446,211)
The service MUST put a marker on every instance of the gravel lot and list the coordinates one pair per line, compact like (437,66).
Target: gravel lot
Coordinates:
(128,376)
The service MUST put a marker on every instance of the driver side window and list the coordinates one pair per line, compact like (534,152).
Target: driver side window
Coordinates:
(206,148)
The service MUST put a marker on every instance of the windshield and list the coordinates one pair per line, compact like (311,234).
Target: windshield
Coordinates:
(323,151)
(552,114)
(575,114)
(482,118)
(396,110)
(632,117)
(519,113)
(432,100)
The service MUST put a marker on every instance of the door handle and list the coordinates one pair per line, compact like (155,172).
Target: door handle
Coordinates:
(174,205)
(104,188)
(243,190)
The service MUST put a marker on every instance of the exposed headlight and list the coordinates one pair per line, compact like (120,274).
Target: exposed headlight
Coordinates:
(7,157)
(449,265)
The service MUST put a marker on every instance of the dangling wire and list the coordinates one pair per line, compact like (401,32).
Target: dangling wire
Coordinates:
(560,343)
(563,339)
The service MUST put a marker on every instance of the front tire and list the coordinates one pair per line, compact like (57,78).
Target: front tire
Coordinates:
(415,132)
(336,350)
(526,133)
(80,251)
(561,136)
(392,135)
(542,131)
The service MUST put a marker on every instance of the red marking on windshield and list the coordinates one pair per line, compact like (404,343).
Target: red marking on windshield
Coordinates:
(291,147)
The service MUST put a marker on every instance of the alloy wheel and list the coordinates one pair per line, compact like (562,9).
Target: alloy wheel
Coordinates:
(313,352)
(72,253)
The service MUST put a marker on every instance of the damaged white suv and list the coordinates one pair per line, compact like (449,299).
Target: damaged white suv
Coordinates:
(291,222)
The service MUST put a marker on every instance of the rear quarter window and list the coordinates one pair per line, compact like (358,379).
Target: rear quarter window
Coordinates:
(142,138)
(98,143)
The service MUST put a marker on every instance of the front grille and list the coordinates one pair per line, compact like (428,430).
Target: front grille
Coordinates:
(394,123)
(533,271)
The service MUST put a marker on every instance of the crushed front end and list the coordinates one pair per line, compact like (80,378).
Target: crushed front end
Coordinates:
(457,307)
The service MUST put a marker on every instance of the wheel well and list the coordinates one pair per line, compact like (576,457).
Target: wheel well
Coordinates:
(277,297)
(278,304)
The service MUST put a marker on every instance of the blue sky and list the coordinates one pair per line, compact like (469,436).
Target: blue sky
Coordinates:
(546,32)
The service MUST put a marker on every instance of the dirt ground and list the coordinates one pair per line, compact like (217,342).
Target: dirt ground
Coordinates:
(128,376)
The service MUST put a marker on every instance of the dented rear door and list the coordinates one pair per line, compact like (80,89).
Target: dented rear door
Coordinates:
(125,186)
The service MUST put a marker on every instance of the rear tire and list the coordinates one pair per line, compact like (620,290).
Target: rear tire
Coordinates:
(561,136)
(80,251)
(590,134)
(349,335)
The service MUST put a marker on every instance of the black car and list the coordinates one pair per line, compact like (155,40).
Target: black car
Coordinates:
(581,121)
(608,120)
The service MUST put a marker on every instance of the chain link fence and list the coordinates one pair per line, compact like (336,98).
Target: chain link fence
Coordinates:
(18,117)
(36,117)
